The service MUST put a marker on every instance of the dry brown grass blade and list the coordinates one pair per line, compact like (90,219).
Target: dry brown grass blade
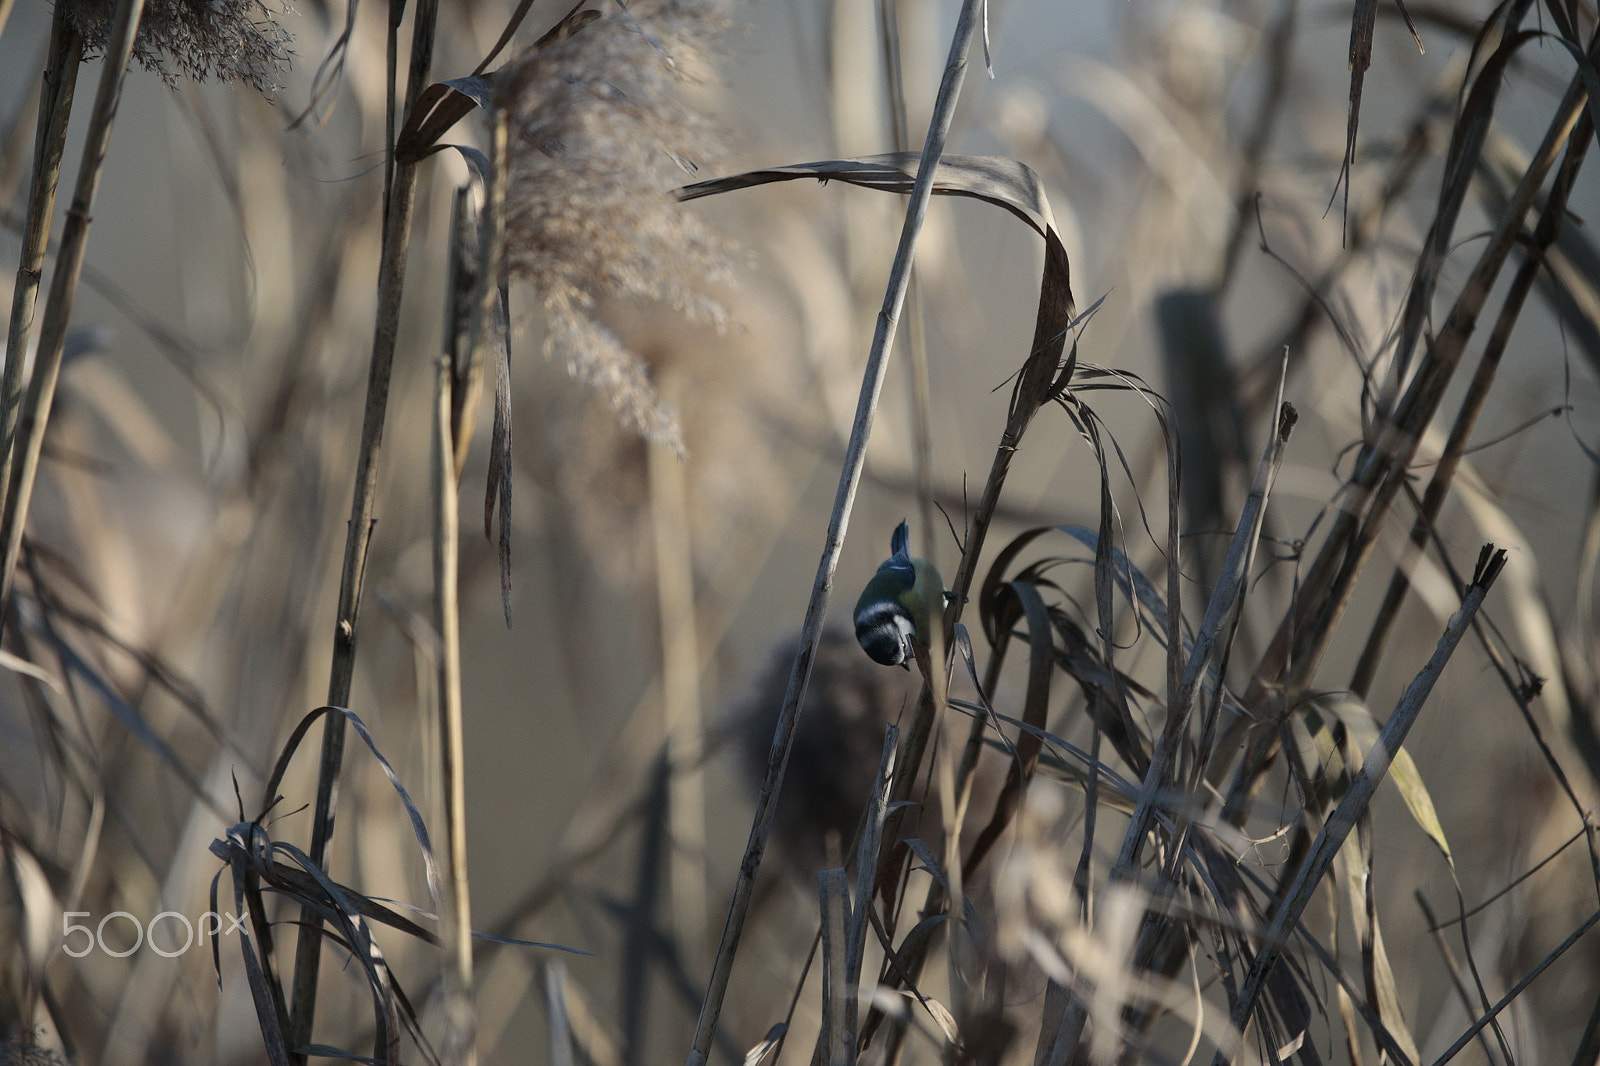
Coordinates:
(489,332)
(439,107)
(1346,738)
(1003,182)
(570,23)
(1363,17)
(272,1012)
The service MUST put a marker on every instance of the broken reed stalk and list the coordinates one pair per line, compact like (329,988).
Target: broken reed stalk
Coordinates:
(849,479)
(455,918)
(399,202)
(34,416)
(1360,792)
(55,110)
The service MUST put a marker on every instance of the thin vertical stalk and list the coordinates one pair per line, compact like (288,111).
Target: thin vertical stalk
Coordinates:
(849,480)
(399,204)
(451,441)
(1211,640)
(34,416)
(55,110)
(455,919)
(682,724)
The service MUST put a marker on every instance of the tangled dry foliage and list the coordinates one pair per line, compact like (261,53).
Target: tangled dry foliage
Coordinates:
(1237,755)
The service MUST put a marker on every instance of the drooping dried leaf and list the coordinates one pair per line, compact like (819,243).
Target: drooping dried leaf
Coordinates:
(1355,862)
(1036,700)
(439,107)
(1003,182)
(1345,731)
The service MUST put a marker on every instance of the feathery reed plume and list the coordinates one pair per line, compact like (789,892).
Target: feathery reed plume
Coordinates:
(230,40)
(601,134)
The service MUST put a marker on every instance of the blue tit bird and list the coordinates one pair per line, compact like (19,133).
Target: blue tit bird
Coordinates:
(901,603)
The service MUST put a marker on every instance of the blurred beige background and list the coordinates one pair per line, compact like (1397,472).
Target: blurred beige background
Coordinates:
(203,452)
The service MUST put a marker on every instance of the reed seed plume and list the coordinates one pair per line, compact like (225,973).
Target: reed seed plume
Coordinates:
(230,40)
(601,135)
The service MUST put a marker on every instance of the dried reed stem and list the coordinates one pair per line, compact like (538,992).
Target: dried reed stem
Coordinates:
(55,109)
(682,722)
(849,479)
(35,414)
(889,15)
(455,919)
(399,202)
